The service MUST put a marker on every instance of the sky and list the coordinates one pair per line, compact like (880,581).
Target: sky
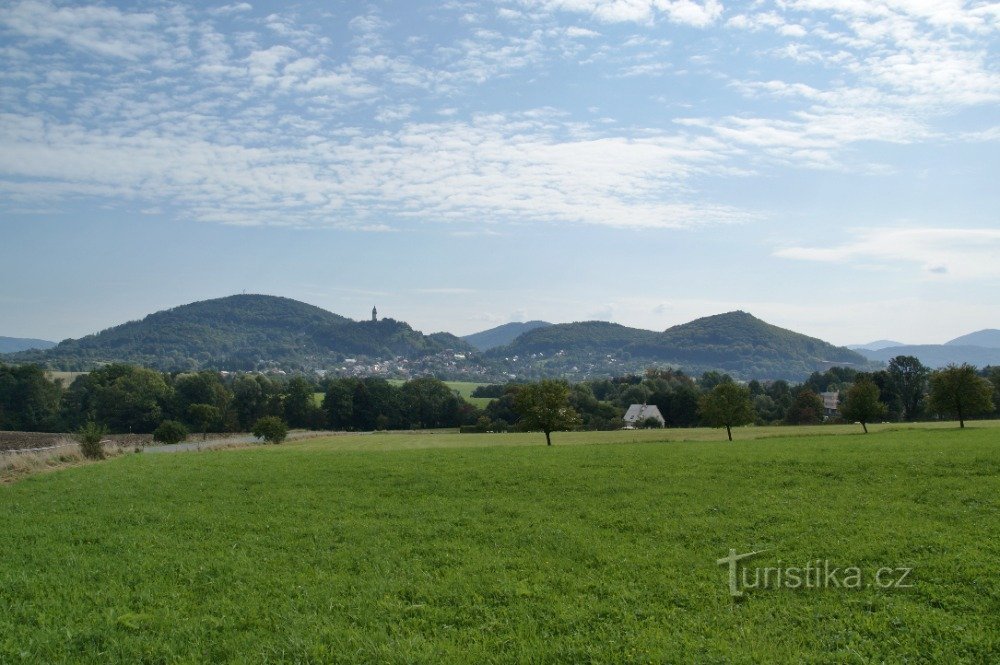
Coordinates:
(831,166)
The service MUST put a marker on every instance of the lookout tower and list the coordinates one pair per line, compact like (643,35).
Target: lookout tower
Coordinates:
(374,314)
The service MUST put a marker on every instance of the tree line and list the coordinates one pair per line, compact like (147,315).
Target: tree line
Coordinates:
(130,399)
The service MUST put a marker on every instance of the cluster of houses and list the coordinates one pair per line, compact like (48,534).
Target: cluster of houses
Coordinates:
(450,364)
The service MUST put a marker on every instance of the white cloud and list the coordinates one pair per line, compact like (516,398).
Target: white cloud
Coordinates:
(494,168)
(939,253)
(280,125)
(102,31)
(234,8)
(686,12)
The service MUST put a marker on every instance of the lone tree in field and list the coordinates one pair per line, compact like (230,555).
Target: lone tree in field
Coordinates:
(727,405)
(545,406)
(957,391)
(862,403)
(270,428)
(204,416)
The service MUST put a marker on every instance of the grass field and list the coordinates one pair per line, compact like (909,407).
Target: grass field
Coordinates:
(449,548)
(464,389)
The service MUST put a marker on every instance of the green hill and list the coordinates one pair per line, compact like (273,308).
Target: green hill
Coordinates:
(502,335)
(940,355)
(575,338)
(742,344)
(15,344)
(242,332)
(988,338)
(736,342)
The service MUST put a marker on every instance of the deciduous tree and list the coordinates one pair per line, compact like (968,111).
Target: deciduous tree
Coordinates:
(203,417)
(806,409)
(170,432)
(270,428)
(545,406)
(958,392)
(726,405)
(909,378)
(862,403)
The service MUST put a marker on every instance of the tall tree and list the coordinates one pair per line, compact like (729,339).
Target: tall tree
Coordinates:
(545,406)
(250,399)
(125,398)
(429,403)
(338,403)
(957,391)
(204,417)
(862,403)
(726,405)
(28,400)
(806,408)
(298,402)
(909,378)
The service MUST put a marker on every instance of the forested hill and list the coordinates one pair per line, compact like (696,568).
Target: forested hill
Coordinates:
(989,338)
(736,342)
(502,335)
(575,338)
(242,332)
(13,344)
(742,344)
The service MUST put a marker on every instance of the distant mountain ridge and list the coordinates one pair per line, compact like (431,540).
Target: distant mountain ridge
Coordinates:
(939,355)
(988,338)
(980,348)
(502,335)
(874,346)
(245,332)
(242,332)
(15,344)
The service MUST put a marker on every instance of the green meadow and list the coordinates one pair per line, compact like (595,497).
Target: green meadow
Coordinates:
(463,388)
(439,547)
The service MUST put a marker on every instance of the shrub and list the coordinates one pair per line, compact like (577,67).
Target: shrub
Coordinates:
(270,428)
(90,436)
(650,423)
(170,432)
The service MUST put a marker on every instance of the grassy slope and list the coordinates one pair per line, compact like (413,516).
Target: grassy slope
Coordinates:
(464,389)
(571,553)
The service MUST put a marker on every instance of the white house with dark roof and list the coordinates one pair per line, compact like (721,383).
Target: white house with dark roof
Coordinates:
(639,413)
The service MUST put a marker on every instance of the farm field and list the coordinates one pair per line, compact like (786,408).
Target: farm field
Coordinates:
(464,389)
(442,547)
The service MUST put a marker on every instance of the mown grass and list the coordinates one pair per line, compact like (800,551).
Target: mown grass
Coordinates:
(316,552)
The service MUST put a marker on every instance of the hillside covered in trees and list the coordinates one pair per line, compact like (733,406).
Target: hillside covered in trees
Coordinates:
(242,332)
(735,342)
(258,332)
(501,335)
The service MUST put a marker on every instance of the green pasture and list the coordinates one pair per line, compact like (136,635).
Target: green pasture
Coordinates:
(440,548)
(464,389)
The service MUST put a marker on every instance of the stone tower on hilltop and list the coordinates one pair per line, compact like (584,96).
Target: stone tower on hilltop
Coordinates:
(374,314)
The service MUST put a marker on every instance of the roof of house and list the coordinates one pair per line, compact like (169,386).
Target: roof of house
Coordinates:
(639,412)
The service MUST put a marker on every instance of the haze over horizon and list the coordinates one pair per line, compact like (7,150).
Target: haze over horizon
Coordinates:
(827,166)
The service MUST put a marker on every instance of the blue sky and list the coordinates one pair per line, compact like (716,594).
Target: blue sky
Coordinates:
(828,165)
